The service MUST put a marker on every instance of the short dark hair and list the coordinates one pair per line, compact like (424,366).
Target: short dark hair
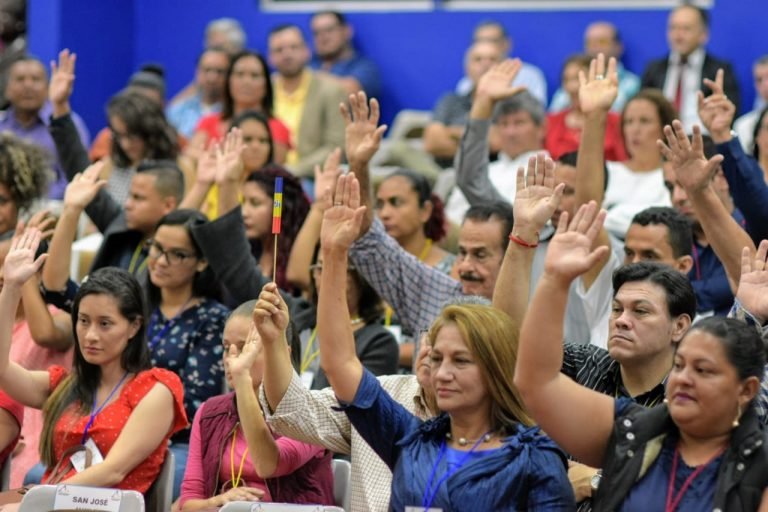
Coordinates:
(681,299)
(521,102)
(215,49)
(679,229)
(285,26)
(741,343)
(498,210)
(571,158)
(169,177)
(491,23)
(340,18)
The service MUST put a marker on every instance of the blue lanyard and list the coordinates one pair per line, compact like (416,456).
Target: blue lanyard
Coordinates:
(429,492)
(97,411)
(170,323)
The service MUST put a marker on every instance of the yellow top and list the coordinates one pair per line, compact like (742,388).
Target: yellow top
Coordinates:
(210,205)
(289,107)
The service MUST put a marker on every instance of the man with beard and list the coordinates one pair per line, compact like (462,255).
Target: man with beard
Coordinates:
(307,103)
(335,55)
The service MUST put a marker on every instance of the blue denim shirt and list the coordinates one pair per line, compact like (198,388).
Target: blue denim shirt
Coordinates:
(527,473)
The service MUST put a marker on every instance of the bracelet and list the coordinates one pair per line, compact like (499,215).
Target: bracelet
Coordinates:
(521,242)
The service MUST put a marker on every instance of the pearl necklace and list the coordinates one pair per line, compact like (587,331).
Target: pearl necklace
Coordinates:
(463,441)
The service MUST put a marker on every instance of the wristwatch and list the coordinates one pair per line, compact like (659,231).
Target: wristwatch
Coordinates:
(594,483)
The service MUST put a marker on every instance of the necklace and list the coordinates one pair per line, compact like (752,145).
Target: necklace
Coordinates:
(463,441)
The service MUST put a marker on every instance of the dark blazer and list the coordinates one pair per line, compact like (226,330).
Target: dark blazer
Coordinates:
(656,72)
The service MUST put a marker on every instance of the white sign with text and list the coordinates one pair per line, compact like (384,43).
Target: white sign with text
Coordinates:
(75,497)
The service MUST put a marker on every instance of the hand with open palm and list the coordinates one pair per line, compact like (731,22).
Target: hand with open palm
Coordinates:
(537,197)
(692,169)
(62,82)
(716,111)
(753,284)
(496,83)
(344,216)
(20,263)
(362,133)
(84,187)
(598,88)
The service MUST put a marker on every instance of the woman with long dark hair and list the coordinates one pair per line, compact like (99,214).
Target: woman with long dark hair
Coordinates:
(248,87)
(113,404)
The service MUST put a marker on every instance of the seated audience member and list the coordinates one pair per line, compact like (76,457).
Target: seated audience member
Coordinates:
(13,34)
(443,133)
(530,77)
(231,426)
(482,426)
(746,125)
(247,87)
(311,416)
(305,101)
(222,33)
(603,37)
(335,54)
(564,127)
(137,408)
(249,147)
(24,174)
(710,433)
(210,74)
(518,119)
(149,81)
(680,73)
(29,115)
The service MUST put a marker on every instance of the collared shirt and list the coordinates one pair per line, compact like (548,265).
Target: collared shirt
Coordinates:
(416,291)
(629,85)
(594,368)
(503,176)
(358,67)
(37,133)
(185,114)
(289,107)
(689,113)
(310,416)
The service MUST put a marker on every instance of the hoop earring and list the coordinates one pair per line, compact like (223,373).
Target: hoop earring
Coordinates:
(736,419)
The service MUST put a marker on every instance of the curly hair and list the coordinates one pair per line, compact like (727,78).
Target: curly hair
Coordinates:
(24,168)
(295,210)
(145,119)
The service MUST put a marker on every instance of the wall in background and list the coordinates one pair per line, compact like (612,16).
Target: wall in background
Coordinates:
(420,53)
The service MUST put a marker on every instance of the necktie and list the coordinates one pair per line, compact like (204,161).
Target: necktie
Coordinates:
(683,65)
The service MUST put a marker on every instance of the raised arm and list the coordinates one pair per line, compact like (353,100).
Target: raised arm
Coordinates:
(80,191)
(695,174)
(535,201)
(229,170)
(303,247)
(557,403)
(744,175)
(363,138)
(473,155)
(597,92)
(341,224)
(204,178)
(752,292)
(27,387)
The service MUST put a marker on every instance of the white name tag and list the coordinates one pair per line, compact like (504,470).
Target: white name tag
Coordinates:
(78,459)
(75,497)
(307,377)
(397,332)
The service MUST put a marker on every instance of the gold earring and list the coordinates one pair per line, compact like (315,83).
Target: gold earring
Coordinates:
(738,415)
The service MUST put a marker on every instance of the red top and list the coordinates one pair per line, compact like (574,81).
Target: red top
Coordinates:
(110,422)
(561,139)
(102,144)
(211,124)
(16,410)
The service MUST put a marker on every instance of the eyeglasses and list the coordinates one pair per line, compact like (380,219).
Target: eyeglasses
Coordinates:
(172,256)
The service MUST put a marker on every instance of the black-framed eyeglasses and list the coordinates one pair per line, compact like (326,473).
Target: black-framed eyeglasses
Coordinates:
(172,256)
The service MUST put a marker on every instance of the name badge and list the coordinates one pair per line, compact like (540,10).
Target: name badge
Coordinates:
(397,332)
(78,459)
(75,497)
(307,377)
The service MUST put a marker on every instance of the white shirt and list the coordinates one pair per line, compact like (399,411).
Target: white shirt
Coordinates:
(503,176)
(745,128)
(689,114)
(630,192)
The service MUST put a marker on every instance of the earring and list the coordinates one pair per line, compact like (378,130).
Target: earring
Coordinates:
(736,419)
(665,401)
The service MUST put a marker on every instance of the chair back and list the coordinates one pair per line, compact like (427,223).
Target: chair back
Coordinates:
(342,491)
(160,495)
(5,474)
(251,506)
(43,497)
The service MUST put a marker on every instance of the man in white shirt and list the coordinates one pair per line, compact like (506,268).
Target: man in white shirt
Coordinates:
(745,125)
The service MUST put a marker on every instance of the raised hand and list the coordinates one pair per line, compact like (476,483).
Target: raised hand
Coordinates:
(570,251)
(207,168)
(229,161)
(20,263)
(84,186)
(753,284)
(716,111)
(599,88)
(496,83)
(44,222)
(62,78)
(270,315)
(537,197)
(363,135)
(692,169)
(325,178)
(239,362)
(342,218)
